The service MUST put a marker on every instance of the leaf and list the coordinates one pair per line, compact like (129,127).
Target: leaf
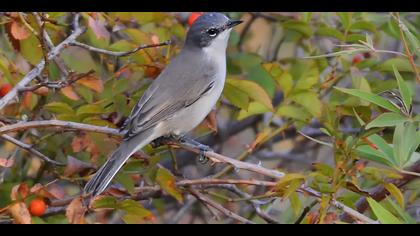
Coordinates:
(19,31)
(31,50)
(19,192)
(236,97)
(69,92)
(7,162)
(59,108)
(168,183)
(107,202)
(253,109)
(289,177)
(388,119)
(407,218)
(405,142)
(395,192)
(20,213)
(373,98)
(298,26)
(329,32)
(295,203)
(363,25)
(345,18)
(98,27)
(404,89)
(90,109)
(383,147)
(383,215)
(310,101)
(75,166)
(253,90)
(136,213)
(402,64)
(294,112)
(316,140)
(93,83)
(210,121)
(367,152)
(75,211)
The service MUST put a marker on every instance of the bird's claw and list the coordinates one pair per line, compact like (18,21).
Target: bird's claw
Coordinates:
(202,158)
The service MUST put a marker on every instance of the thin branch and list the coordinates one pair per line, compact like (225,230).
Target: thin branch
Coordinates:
(30,149)
(118,54)
(40,67)
(225,181)
(219,207)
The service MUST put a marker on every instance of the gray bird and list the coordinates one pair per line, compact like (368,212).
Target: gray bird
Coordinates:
(179,99)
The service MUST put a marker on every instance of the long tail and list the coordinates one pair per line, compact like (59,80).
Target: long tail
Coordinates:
(106,173)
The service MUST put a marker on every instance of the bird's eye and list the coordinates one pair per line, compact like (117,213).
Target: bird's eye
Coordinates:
(212,32)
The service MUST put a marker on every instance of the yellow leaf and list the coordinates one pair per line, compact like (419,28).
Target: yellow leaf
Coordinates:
(69,92)
(396,193)
(93,83)
(167,181)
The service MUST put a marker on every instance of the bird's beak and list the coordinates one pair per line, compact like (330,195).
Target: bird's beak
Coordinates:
(233,23)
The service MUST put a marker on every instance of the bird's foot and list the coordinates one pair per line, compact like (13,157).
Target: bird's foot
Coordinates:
(202,158)
(160,141)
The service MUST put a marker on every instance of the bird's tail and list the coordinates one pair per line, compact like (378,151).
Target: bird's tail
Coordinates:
(106,173)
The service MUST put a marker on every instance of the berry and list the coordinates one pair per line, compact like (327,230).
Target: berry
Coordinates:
(193,17)
(4,89)
(357,59)
(37,207)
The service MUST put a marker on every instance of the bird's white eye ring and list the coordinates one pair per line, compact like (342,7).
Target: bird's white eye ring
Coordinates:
(212,32)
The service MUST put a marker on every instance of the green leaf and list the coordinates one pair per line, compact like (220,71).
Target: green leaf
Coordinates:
(254,108)
(395,192)
(316,140)
(329,32)
(294,112)
(295,203)
(368,153)
(285,82)
(134,208)
(345,18)
(363,25)
(59,108)
(168,183)
(254,91)
(388,119)
(373,98)
(105,202)
(404,89)
(383,215)
(31,50)
(310,101)
(90,109)
(236,97)
(383,147)
(405,142)
(407,218)
(298,26)
(402,64)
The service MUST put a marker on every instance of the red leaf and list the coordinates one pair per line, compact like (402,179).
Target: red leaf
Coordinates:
(20,213)
(19,31)
(6,162)
(75,212)
(69,92)
(19,192)
(98,27)
(93,83)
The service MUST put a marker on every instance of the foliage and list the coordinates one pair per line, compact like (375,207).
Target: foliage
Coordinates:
(331,99)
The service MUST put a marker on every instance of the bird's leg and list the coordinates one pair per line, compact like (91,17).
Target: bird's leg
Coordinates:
(191,142)
(160,141)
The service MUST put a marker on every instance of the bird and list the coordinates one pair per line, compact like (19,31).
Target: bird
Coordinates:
(179,99)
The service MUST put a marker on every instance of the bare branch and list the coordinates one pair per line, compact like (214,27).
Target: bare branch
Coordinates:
(40,67)
(225,181)
(118,54)
(29,149)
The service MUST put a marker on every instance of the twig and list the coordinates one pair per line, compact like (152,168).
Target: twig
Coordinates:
(219,207)
(39,68)
(118,54)
(225,181)
(215,157)
(305,212)
(402,28)
(29,149)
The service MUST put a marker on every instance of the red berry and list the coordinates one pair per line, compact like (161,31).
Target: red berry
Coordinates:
(4,89)
(37,207)
(357,59)
(193,17)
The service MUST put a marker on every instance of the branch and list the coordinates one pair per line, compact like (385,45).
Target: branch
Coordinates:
(219,207)
(225,181)
(39,68)
(29,149)
(118,54)
(215,157)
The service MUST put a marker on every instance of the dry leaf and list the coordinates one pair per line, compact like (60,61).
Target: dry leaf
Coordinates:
(19,192)
(79,143)
(20,213)
(98,27)
(19,31)
(211,121)
(93,83)
(75,166)
(75,211)
(69,92)
(330,218)
(49,192)
(7,162)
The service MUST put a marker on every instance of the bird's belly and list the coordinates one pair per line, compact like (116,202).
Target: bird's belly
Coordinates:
(190,117)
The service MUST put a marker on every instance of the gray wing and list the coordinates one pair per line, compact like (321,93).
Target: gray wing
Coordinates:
(168,94)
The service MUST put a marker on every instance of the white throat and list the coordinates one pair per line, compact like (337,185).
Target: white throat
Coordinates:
(217,47)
